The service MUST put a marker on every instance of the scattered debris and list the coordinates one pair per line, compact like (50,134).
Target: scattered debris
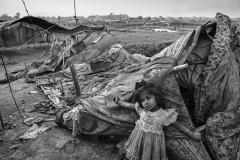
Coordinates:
(15,153)
(109,146)
(33,92)
(9,125)
(29,120)
(61,143)
(44,120)
(46,107)
(34,131)
(37,120)
(3,156)
(17,146)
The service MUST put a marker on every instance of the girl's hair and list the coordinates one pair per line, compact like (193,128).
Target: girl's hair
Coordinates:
(150,89)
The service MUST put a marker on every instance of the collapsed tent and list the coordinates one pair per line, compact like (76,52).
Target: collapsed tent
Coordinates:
(98,50)
(213,81)
(83,35)
(205,94)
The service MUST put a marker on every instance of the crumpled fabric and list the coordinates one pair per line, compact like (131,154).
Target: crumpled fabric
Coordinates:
(181,48)
(34,131)
(99,115)
(217,94)
(217,86)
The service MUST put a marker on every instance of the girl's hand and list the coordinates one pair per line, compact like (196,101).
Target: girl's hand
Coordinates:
(137,105)
(196,136)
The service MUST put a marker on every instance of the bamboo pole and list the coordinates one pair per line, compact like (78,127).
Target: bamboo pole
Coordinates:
(1,120)
(38,36)
(3,40)
(75,80)
(26,33)
(33,38)
(19,35)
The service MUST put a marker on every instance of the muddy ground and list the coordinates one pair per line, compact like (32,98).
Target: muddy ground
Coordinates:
(45,146)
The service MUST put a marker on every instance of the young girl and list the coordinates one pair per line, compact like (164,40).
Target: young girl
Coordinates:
(147,140)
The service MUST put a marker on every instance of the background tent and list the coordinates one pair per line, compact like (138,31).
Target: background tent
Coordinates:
(20,33)
(13,32)
(54,27)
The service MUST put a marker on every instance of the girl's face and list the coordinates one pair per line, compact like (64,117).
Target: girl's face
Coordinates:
(148,101)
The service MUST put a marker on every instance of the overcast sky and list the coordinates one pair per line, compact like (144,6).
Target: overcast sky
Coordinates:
(133,8)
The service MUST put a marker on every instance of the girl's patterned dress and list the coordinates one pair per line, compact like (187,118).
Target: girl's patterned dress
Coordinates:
(147,141)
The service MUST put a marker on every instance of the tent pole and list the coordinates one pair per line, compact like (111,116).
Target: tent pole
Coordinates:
(40,36)
(26,33)
(3,40)
(1,121)
(75,16)
(75,80)
(48,38)
(33,37)
(19,35)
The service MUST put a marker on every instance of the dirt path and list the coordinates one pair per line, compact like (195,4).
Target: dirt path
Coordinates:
(44,147)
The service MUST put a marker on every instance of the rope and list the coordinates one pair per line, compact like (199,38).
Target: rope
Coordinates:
(11,87)
(31,23)
(77,23)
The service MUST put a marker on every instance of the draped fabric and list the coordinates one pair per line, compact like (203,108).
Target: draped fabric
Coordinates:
(212,75)
(217,88)
(101,116)
(217,94)
(102,105)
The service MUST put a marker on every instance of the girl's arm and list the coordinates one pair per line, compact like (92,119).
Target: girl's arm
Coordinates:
(182,128)
(124,104)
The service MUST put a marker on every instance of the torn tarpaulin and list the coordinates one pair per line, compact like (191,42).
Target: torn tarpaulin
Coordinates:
(34,131)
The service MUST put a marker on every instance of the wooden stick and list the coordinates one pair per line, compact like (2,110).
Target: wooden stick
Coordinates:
(1,120)
(49,81)
(180,67)
(62,88)
(75,80)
